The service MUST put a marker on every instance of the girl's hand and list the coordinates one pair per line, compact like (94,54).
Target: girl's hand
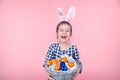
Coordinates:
(49,76)
(76,74)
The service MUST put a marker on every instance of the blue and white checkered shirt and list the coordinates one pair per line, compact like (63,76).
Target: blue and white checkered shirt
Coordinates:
(54,52)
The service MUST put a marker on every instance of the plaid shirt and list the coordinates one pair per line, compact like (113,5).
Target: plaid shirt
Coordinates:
(54,52)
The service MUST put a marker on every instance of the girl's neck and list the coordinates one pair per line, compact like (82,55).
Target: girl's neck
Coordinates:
(64,45)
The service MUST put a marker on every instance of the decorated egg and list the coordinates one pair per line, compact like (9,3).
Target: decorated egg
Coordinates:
(62,64)
(64,59)
(65,68)
(62,68)
(71,64)
(49,62)
(55,61)
(57,67)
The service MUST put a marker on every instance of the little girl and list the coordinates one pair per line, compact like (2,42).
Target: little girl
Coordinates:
(63,46)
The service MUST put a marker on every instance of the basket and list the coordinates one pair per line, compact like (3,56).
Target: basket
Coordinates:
(64,75)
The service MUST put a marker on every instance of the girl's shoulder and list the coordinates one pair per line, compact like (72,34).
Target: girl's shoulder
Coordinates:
(53,45)
(74,45)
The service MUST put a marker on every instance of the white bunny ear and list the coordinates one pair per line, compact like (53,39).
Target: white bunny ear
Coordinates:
(60,14)
(71,13)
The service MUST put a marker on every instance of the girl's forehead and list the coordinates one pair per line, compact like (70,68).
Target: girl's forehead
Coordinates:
(64,26)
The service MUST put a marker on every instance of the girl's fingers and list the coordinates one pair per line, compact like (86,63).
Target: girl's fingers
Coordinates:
(50,78)
(76,74)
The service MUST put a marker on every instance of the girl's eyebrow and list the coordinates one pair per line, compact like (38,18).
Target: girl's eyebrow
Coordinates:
(63,29)
(67,29)
(60,28)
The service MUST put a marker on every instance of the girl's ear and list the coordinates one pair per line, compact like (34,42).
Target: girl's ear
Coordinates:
(60,14)
(71,13)
(56,33)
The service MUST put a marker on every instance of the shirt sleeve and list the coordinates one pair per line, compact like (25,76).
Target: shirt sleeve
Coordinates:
(49,54)
(77,58)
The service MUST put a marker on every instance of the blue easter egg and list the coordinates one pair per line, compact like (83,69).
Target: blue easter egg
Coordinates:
(62,68)
(65,68)
(62,64)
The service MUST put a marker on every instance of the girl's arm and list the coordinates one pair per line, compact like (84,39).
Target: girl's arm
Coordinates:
(77,58)
(48,74)
(48,57)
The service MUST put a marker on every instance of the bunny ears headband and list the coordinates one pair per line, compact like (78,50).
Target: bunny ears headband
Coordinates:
(70,14)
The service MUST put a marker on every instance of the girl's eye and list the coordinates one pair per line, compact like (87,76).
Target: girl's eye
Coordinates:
(61,30)
(67,31)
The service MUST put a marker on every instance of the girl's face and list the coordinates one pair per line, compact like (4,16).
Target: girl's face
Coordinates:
(64,33)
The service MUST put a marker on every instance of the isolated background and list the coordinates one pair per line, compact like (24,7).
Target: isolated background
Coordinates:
(27,28)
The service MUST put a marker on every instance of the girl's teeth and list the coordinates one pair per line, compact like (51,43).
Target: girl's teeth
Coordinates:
(63,36)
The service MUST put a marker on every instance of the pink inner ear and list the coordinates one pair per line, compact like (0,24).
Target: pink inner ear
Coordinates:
(60,14)
(71,13)
(71,16)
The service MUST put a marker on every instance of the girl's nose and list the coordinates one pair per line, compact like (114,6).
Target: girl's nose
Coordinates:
(64,32)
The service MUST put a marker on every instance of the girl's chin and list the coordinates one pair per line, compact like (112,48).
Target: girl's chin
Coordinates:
(64,41)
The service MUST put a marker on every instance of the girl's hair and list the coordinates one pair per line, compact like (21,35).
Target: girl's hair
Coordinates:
(64,22)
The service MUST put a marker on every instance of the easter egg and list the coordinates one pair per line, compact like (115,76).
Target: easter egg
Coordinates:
(65,68)
(64,59)
(57,67)
(71,64)
(55,61)
(62,68)
(49,62)
(62,64)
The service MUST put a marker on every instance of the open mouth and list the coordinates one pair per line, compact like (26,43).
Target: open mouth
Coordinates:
(63,37)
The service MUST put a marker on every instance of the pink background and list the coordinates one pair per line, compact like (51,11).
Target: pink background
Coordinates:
(27,28)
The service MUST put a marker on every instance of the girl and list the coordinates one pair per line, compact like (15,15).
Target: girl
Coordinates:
(63,46)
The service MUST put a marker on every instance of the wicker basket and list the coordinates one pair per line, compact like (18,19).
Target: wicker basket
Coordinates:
(64,75)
